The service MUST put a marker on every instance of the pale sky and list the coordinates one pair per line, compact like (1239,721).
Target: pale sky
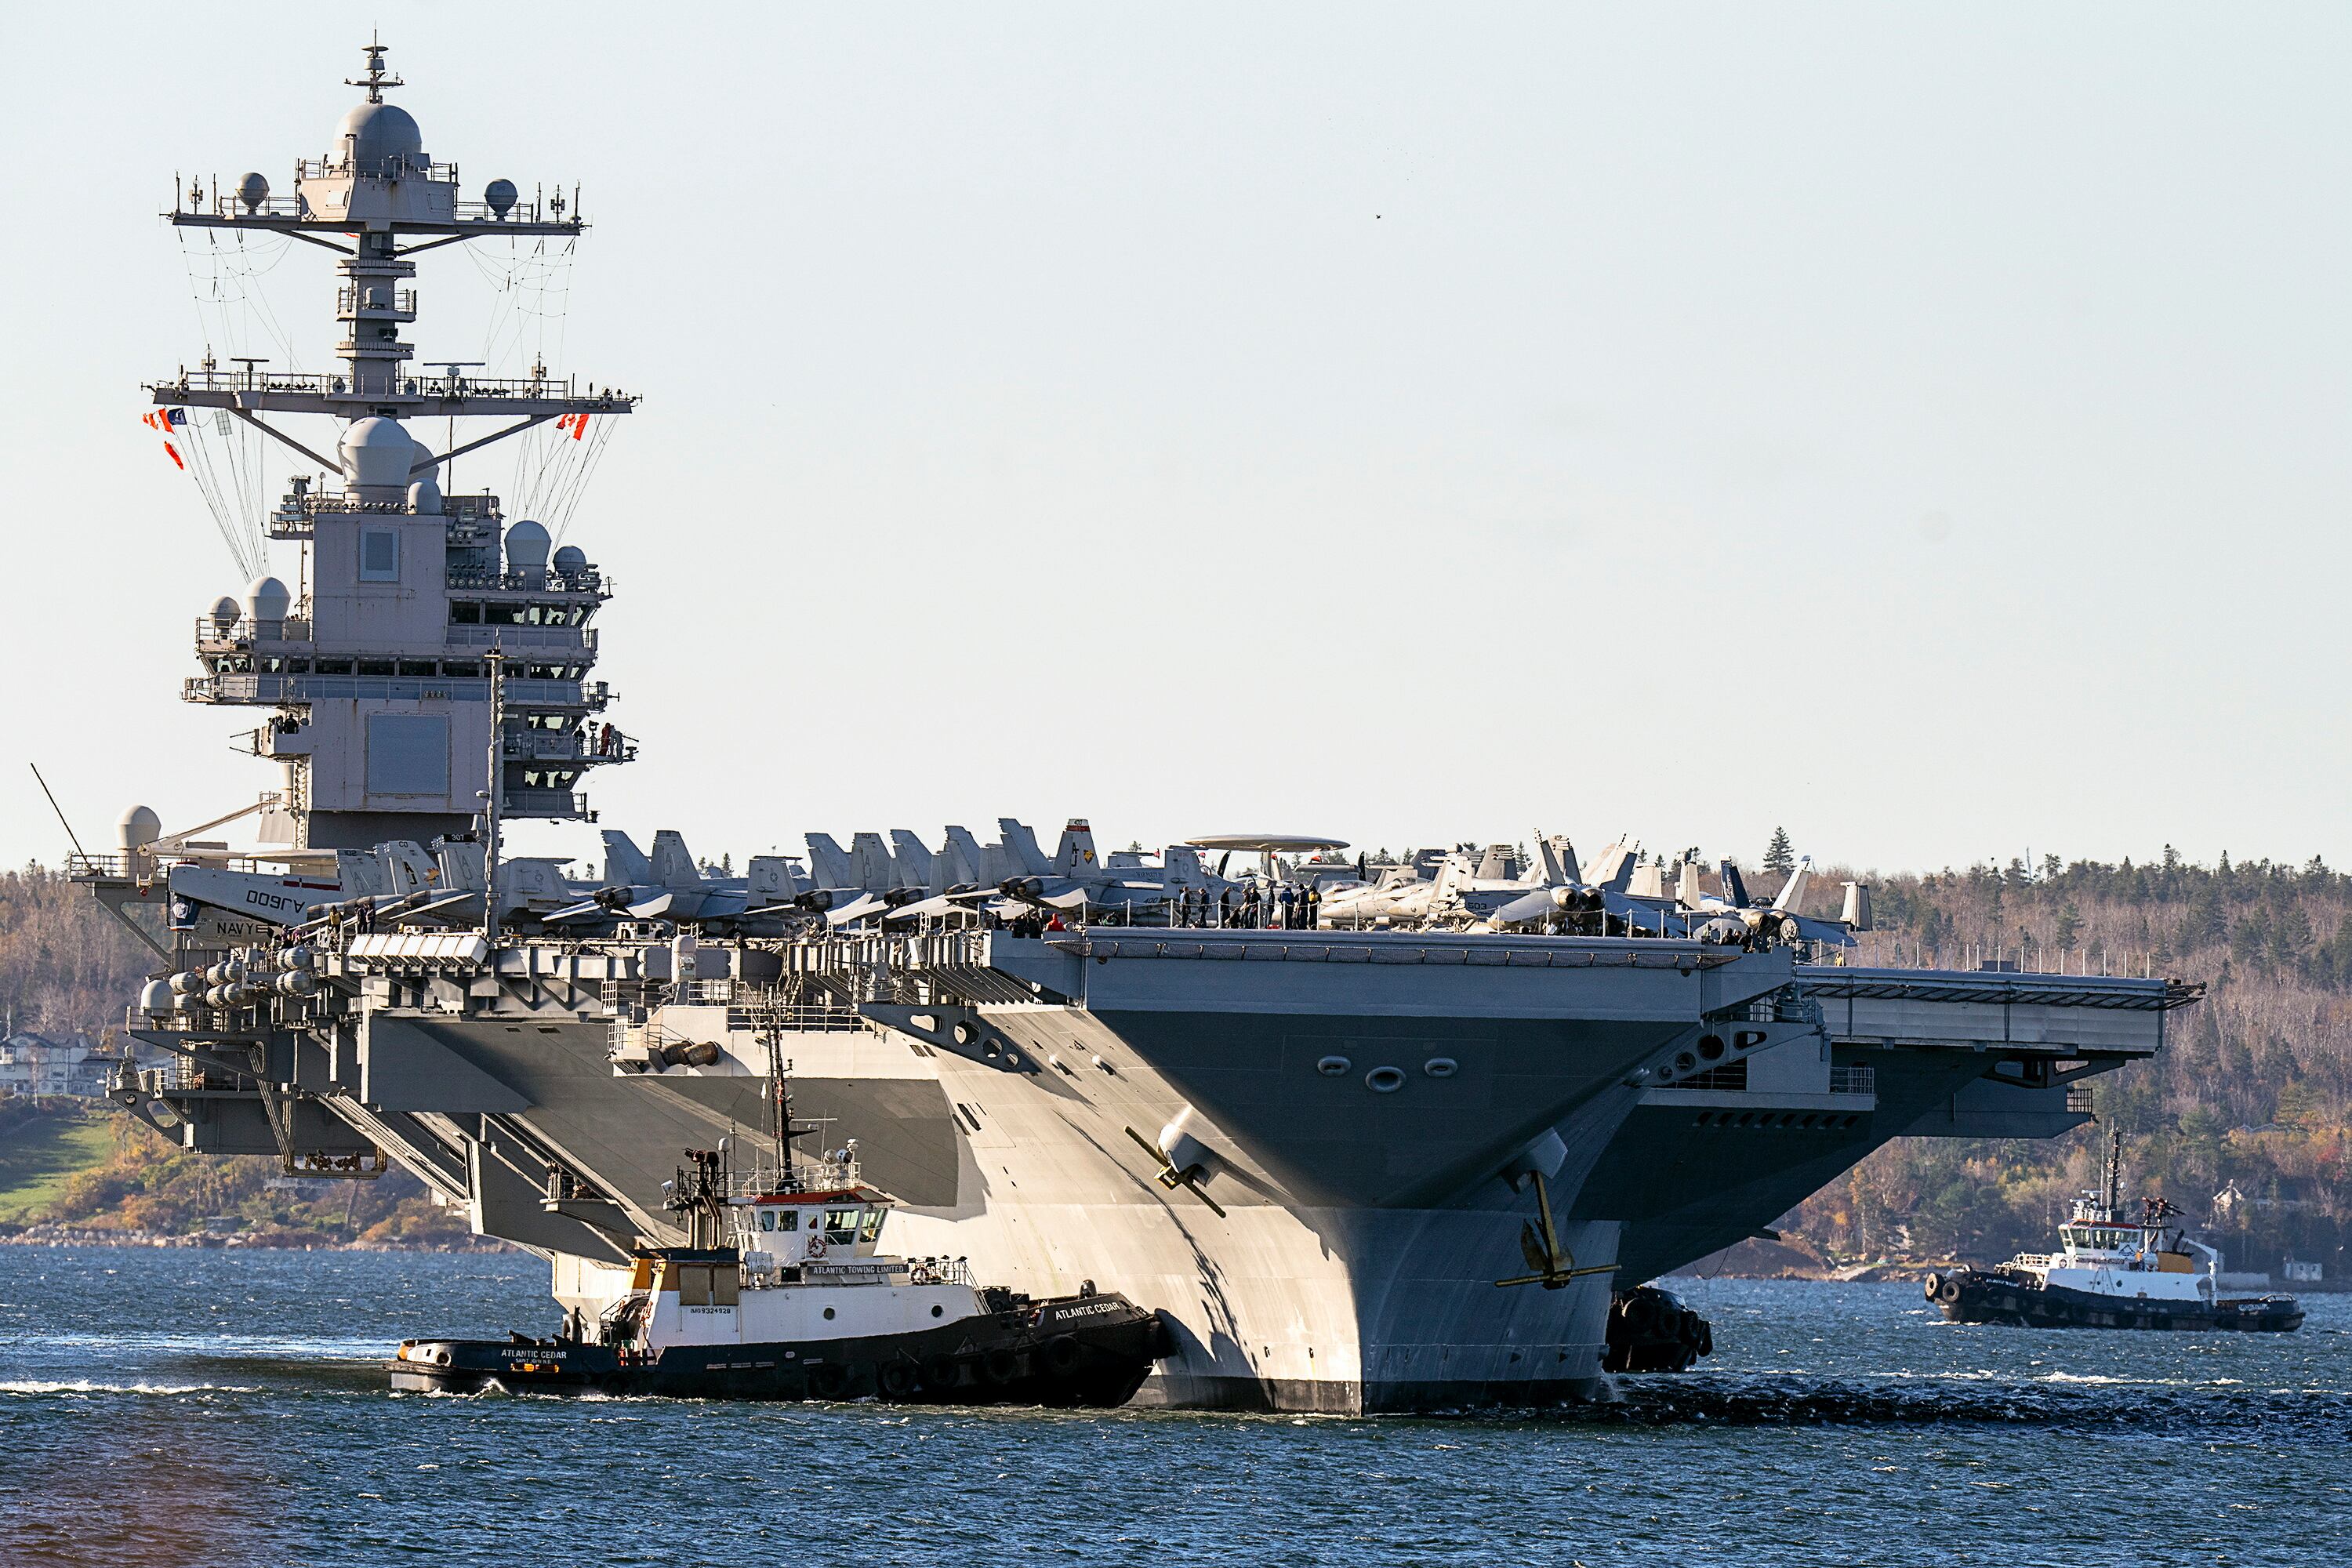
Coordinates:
(1920,426)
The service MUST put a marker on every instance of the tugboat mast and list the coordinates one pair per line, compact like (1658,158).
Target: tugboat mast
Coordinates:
(2113,1194)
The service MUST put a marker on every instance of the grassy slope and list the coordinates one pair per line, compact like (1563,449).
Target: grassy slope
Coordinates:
(38,1157)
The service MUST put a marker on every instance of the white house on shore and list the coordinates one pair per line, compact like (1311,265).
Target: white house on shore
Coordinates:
(67,1063)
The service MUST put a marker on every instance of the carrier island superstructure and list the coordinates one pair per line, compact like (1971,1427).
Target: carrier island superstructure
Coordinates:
(1315,1135)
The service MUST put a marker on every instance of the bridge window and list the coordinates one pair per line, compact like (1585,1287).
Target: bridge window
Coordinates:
(419,666)
(379,555)
(407,755)
(375,666)
(497,614)
(465,613)
(840,1226)
(464,668)
(334,667)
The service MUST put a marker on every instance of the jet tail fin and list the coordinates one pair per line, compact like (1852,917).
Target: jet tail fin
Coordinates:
(626,865)
(1735,887)
(965,862)
(1614,871)
(673,863)
(1074,855)
(1792,896)
(1183,867)
(770,879)
(829,862)
(1021,843)
(912,860)
(870,858)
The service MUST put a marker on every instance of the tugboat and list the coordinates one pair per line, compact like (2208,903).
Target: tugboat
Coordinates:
(785,1294)
(2111,1273)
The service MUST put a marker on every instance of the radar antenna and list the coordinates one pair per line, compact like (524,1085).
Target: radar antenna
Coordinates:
(375,81)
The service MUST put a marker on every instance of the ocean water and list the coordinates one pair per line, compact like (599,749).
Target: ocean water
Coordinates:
(225,1408)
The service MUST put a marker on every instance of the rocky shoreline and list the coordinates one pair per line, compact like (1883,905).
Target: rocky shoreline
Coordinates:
(52,1234)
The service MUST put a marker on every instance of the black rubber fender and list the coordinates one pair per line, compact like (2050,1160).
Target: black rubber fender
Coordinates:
(1000,1366)
(941,1372)
(827,1381)
(1063,1351)
(899,1379)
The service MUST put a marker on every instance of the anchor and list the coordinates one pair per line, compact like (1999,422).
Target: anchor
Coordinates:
(1554,1265)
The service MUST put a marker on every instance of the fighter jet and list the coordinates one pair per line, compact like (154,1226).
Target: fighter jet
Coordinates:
(1734,916)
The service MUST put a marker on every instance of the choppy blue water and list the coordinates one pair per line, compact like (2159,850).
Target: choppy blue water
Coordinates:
(215,1407)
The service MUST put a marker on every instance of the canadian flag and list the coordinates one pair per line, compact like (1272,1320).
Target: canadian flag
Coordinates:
(575,423)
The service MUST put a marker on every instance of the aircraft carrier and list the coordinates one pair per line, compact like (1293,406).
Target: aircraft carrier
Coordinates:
(1369,1136)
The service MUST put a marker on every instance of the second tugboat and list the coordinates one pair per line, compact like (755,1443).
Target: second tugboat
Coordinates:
(785,1294)
(2111,1273)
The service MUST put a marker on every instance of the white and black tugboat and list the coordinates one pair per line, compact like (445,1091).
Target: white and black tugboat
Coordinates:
(785,1294)
(2112,1272)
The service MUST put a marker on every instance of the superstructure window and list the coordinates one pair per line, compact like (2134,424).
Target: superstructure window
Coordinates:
(418,667)
(375,666)
(465,613)
(334,667)
(463,669)
(379,555)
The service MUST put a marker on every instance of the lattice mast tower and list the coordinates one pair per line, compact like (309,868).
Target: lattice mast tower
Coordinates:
(376,671)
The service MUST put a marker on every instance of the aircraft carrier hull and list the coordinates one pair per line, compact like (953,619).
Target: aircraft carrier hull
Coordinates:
(1315,1157)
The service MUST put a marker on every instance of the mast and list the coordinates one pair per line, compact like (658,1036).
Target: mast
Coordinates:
(496,660)
(376,201)
(2113,1193)
(376,672)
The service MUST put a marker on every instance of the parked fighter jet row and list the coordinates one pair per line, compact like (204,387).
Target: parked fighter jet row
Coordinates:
(1214,881)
